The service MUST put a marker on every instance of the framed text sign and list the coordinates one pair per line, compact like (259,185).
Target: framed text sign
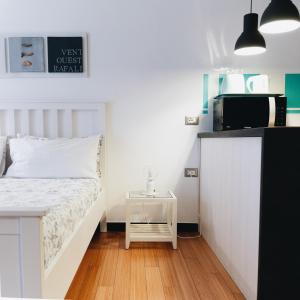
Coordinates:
(65,54)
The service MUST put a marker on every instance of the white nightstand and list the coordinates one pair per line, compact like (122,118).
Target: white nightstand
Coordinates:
(151,232)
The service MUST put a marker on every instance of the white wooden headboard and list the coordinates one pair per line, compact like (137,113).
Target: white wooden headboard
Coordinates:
(52,118)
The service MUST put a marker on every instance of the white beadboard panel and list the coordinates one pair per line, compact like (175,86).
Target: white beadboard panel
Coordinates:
(32,270)
(67,123)
(230,204)
(25,123)
(10,122)
(52,119)
(2,122)
(9,226)
(10,279)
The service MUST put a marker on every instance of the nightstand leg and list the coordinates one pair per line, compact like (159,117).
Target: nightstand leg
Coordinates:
(127,233)
(127,242)
(174,224)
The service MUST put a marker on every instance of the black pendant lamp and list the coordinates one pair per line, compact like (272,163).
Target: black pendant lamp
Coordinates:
(280,16)
(250,42)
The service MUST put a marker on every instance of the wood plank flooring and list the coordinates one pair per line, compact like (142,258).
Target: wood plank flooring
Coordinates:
(151,271)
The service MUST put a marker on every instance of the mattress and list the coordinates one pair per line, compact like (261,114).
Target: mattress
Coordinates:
(67,201)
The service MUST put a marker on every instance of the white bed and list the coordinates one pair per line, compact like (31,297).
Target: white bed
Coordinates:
(47,224)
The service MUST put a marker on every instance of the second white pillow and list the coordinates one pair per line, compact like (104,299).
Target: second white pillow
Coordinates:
(2,154)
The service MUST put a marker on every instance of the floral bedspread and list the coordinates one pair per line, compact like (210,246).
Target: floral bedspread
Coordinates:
(68,201)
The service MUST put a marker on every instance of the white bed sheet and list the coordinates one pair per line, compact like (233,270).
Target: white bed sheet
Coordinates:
(67,200)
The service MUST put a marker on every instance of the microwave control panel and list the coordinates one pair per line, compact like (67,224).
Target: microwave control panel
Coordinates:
(281,107)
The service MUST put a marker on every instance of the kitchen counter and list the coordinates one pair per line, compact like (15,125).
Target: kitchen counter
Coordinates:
(250,207)
(251,132)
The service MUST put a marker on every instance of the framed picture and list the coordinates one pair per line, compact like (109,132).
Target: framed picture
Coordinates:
(65,54)
(26,54)
(44,55)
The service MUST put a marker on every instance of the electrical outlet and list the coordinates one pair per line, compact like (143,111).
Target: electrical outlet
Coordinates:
(191,172)
(191,120)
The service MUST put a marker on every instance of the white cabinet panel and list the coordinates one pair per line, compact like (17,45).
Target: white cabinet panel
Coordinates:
(9,226)
(229,205)
(10,284)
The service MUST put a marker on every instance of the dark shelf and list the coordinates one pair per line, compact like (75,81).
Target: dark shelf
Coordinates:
(251,132)
(247,95)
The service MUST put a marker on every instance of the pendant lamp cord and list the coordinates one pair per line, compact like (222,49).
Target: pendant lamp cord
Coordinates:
(251,7)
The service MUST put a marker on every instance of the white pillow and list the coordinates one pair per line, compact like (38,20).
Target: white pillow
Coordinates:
(59,158)
(3,140)
(99,150)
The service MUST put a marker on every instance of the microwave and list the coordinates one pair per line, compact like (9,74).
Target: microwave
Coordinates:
(239,112)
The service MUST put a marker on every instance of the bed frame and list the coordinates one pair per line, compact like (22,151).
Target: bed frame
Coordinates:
(22,272)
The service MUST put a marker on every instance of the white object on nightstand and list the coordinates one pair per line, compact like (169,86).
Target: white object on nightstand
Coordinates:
(150,184)
(151,232)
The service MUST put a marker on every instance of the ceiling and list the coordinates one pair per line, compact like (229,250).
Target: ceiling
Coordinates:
(157,33)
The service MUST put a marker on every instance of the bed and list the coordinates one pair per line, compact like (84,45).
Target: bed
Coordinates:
(46,224)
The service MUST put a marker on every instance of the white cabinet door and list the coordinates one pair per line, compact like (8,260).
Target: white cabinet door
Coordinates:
(229,205)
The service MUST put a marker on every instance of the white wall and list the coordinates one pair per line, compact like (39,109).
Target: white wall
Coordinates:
(146,58)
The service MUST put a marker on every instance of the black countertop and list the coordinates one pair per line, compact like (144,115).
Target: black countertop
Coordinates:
(251,132)
(248,95)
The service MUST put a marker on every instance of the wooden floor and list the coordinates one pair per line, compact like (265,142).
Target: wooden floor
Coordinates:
(151,271)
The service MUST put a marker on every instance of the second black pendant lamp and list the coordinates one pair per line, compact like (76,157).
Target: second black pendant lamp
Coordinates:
(280,16)
(250,42)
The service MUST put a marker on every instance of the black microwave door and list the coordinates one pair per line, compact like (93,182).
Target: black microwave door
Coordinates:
(242,113)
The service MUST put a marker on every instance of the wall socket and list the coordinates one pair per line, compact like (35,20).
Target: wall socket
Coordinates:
(191,172)
(191,120)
